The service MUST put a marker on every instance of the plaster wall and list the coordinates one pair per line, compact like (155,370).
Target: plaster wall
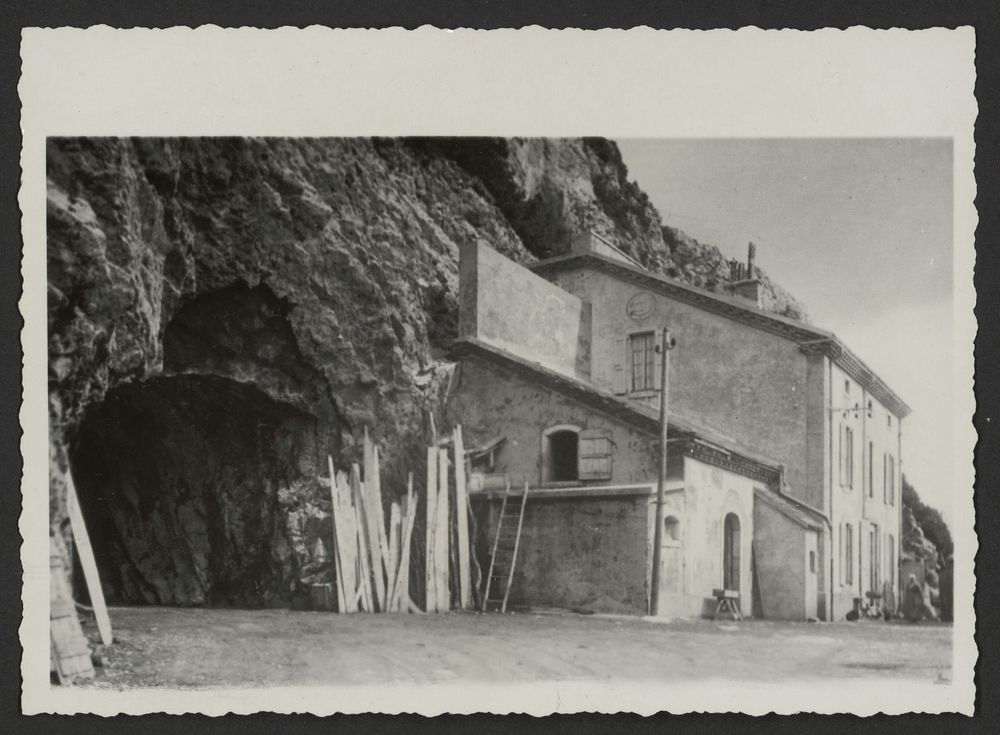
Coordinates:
(738,380)
(863,499)
(580,552)
(709,495)
(508,306)
(491,402)
(782,554)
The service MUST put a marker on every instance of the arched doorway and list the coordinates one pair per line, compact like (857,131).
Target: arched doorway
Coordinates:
(731,552)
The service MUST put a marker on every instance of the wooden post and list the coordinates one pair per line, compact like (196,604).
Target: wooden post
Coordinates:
(430,570)
(87,561)
(666,344)
(462,517)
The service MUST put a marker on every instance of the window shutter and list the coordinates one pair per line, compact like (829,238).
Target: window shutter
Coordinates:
(594,456)
(658,359)
(840,539)
(619,370)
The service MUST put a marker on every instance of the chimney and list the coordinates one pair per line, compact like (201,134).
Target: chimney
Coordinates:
(747,285)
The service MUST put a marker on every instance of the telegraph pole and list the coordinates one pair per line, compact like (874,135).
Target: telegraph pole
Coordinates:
(666,344)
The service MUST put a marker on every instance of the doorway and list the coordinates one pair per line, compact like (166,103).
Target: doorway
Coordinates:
(731,553)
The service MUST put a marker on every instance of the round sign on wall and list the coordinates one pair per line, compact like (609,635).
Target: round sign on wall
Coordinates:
(641,305)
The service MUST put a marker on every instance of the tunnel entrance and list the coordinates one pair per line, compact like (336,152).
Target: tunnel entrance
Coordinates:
(199,485)
(181,480)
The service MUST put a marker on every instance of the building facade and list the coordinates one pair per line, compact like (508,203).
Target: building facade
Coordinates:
(771,415)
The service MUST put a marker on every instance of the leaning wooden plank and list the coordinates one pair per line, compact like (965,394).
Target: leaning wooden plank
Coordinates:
(334,514)
(442,533)
(88,562)
(69,650)
(462,523)
(401,581)
(345,541)
(403,584)
(430,571)
(348,542)
(364,547)
(376,495)
(374,519)
(392,564)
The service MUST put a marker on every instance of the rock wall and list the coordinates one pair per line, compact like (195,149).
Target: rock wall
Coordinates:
(317,280)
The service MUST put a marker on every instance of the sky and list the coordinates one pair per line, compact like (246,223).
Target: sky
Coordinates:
(857,230)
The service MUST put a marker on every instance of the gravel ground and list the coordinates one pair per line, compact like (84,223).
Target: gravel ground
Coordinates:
(175,647)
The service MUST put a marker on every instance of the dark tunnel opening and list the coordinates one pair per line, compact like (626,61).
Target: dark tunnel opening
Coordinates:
(180,481)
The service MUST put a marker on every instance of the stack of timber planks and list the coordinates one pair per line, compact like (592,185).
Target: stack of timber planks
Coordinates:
(372,561)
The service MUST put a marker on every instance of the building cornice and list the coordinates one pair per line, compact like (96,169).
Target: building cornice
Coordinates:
(811,340)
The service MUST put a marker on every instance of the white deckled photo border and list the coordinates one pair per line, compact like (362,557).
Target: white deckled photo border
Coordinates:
(639,83)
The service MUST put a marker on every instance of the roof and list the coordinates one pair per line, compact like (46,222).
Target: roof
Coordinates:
(811,339)
(701,443)
(796,512)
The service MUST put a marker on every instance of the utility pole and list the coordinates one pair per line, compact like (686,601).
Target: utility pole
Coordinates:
(666,344)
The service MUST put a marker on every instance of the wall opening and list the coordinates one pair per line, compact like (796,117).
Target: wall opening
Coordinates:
(564,455)
(672,531)
(731,552)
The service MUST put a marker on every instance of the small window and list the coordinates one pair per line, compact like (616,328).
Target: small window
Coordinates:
(642,360)
(871,466)
(888,420)
(672,530)
(847,386)
(812,562)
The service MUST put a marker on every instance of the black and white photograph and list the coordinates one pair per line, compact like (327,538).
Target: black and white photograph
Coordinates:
(543,413)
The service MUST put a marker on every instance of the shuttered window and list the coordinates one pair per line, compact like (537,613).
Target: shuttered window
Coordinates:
(890,479)
(595,455)
(642,361)
(892,561)
(849,553)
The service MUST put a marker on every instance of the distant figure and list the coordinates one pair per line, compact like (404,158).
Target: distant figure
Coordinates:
(946,590)
(913,600)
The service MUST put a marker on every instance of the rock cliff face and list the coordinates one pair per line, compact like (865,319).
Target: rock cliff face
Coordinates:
(223,313)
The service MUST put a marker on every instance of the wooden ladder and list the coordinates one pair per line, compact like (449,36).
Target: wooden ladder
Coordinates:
(505,545)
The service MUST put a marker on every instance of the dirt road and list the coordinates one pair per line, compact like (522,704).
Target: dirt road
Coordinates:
(173,647)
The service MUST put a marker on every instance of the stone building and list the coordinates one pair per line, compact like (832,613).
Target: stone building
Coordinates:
(783,447)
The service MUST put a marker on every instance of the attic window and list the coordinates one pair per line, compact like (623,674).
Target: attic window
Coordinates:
(572,454)
(563,455)
(847,386)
